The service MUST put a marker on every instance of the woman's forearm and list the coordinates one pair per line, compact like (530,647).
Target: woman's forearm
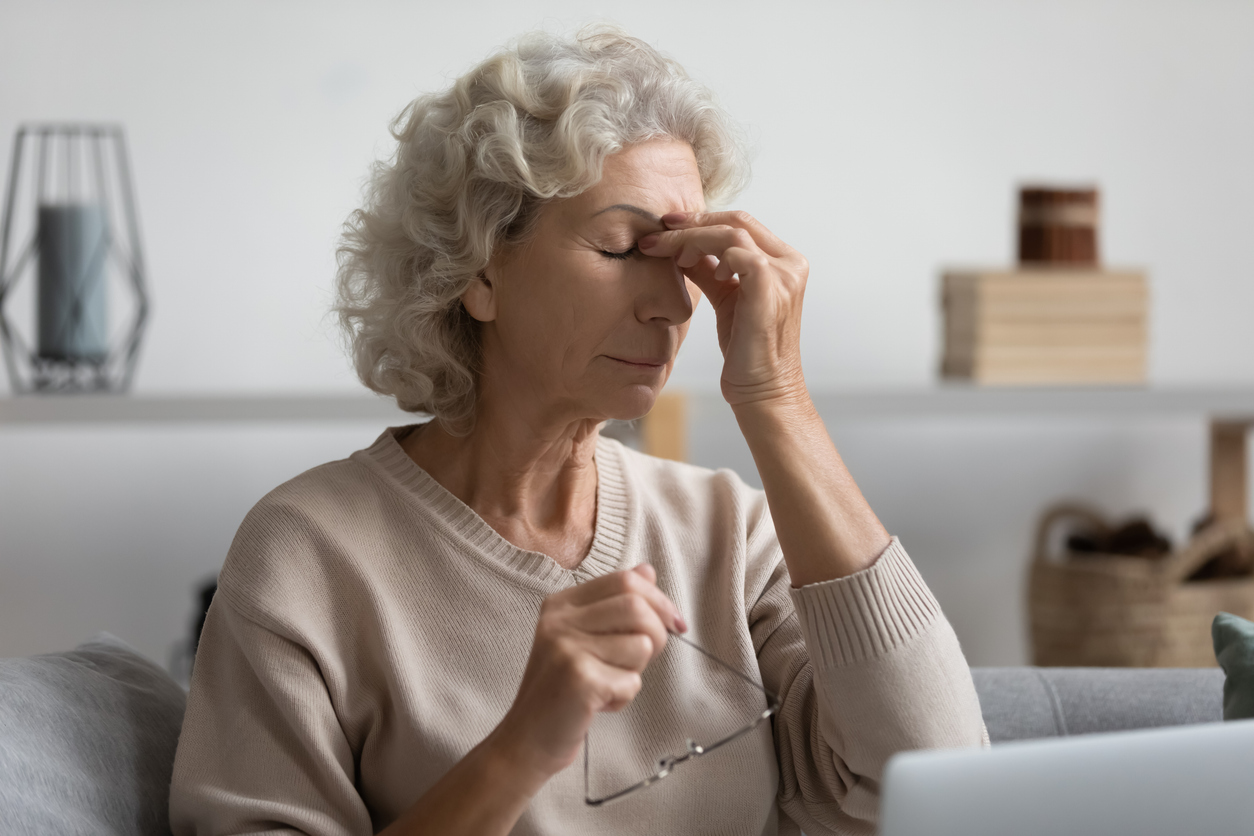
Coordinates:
(825,527)
(755,282)
(482,795)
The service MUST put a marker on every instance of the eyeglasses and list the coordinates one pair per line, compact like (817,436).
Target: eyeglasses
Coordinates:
(694,749)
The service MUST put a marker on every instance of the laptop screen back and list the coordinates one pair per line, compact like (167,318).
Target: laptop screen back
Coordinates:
(1188,779)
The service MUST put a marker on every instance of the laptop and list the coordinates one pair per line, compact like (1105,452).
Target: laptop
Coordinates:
(1196,779)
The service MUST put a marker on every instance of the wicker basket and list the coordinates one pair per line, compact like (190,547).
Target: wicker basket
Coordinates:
(1118,611)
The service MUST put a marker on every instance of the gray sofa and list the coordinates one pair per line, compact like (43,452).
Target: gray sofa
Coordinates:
(1025,703)
(87,736)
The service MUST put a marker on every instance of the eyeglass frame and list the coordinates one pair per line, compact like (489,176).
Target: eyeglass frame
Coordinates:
(695,750)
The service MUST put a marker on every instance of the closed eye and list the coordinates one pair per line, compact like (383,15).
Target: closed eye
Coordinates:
(622,255)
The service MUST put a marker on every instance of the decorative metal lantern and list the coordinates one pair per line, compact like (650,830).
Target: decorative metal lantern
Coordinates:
(70,223)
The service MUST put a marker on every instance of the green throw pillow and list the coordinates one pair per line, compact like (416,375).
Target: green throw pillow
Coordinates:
(1234,649)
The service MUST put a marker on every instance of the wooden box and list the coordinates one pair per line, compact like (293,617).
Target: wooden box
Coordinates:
(1048,325)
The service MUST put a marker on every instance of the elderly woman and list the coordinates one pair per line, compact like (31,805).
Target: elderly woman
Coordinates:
(419,638)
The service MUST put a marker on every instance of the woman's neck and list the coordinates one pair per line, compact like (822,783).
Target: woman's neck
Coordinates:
(533,480)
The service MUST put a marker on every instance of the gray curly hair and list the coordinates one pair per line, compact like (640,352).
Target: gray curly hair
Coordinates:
(472,167)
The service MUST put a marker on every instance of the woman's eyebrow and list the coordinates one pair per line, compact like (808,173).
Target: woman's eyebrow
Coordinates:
(627,207)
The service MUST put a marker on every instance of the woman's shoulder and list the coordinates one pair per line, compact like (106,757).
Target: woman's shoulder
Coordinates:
(339,495)
(321,498)
(301,540)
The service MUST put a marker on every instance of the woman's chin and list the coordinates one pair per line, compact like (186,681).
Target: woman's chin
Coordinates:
(631,402)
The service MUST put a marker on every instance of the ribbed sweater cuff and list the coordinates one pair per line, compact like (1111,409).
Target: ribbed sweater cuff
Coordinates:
(867,614)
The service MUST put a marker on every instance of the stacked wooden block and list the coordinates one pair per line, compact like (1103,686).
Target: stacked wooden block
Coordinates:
(1045,326)
(1059,318)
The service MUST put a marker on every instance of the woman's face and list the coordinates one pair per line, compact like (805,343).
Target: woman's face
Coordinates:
(578,321)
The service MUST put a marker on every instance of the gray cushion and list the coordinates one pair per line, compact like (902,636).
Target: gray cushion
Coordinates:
(87,741)
(1022,703)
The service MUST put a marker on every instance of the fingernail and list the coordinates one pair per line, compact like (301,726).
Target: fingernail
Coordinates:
(648,241)
(674,218)
(680,624)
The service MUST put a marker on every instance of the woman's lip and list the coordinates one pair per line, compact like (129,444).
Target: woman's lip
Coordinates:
(643,363)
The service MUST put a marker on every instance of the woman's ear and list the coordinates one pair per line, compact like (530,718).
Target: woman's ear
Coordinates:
(479,299)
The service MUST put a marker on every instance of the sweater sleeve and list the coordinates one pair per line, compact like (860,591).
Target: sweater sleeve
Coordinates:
(261,749)
(865,666)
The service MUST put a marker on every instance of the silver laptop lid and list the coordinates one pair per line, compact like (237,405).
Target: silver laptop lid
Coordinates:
(1195,779)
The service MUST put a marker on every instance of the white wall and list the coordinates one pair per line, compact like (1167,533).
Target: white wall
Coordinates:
(888,141)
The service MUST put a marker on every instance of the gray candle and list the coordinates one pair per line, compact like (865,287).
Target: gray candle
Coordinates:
(73,245)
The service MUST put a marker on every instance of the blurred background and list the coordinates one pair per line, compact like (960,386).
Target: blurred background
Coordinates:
(889,140)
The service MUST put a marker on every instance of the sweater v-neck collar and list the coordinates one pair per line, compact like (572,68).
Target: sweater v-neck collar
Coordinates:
(611,547)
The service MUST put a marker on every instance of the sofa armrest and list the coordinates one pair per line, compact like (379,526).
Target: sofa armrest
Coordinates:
(87,740)
(1028,702)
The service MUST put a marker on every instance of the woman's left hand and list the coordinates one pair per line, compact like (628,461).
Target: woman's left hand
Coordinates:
(755,282)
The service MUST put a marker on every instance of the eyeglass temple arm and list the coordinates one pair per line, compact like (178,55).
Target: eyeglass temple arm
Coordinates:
(772,699)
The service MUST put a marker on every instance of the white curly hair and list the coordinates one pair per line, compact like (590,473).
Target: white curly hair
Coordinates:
(472,167)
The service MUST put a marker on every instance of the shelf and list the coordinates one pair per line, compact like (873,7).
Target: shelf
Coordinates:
(905,403)
(179,409)
(959,400)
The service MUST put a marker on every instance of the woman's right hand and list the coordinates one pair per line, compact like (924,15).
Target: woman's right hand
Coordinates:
(592,642)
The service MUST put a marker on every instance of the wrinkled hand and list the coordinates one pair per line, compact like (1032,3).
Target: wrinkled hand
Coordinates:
(755,282)
(592,642)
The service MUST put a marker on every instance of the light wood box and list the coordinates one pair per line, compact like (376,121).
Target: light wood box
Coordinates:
(1051,326)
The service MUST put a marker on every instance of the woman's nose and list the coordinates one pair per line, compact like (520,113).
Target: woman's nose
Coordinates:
(664,293)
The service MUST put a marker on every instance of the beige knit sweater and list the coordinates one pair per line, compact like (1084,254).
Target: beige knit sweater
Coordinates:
(369,629)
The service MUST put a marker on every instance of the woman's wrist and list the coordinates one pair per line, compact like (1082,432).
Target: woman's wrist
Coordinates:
(507,754)
(789,411)
(782,392)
